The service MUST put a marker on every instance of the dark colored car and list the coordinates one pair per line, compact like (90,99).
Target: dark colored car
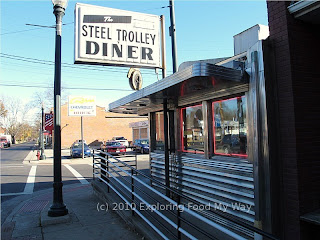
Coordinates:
(113,147)
(76,150)
(141,145)
(233,144)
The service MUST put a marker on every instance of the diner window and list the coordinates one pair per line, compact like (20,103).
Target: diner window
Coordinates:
(230,127)
(192,129)
(159,131)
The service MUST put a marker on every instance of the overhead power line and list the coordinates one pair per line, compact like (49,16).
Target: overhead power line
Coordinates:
(32,29)
(71,88)
(68,65)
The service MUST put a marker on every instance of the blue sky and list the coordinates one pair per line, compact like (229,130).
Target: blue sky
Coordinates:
(205,30)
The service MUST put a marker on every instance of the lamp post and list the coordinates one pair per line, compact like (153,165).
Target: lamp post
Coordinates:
(42,156)
(58,208)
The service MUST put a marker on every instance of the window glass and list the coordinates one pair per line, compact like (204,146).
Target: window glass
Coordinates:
(159,131)
(144,133)
(192,129)
(136,134)
(230,127)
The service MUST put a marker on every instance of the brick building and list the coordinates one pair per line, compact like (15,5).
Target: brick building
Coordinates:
(295,41)
(102,127)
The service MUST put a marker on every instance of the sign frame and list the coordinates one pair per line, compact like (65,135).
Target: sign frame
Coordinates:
(128,44)
(82,106)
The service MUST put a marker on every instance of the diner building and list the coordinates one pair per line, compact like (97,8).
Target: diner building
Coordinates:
(208,125)
(242,131)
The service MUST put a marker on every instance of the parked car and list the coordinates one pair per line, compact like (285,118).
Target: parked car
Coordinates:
(141,145)
(4,142)
(8,138)
(113,147)
(76,150)
(233,144)
(121,140)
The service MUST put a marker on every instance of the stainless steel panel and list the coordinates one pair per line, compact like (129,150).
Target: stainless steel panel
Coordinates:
(199,69)
(258,147)
(220,180)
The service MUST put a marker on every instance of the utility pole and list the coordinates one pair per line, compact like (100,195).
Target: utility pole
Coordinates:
(172,31)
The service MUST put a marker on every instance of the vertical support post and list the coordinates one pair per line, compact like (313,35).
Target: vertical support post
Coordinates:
(58,208)
(82,143)
(136,162)
(163,46)
(108,180)
(132,191)
(208,131)
(178,217)
(93,168)
(42,156)
(173,36)
(166,145)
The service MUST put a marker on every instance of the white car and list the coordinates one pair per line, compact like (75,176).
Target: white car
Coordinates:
(121,140)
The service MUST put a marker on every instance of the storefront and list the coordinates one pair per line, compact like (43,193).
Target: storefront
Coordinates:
(209,134)
(140,130)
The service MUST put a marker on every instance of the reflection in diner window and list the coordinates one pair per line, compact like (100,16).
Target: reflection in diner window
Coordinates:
(230,127)
(159,131)
(192,127)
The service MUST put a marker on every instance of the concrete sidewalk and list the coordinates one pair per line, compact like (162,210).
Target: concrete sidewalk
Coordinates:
(88,218)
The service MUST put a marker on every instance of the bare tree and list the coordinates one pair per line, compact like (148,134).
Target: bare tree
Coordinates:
(46,98)
(3,110)
(3,113)
(16,112)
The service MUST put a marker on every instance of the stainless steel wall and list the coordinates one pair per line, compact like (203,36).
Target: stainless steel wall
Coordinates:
(221,181)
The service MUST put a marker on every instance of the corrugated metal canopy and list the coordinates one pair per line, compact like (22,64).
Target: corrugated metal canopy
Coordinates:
(197,77)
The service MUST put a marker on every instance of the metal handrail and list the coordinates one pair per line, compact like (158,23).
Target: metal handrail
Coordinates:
(234,220)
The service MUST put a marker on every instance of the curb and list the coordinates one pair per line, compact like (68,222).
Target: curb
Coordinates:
(31,157)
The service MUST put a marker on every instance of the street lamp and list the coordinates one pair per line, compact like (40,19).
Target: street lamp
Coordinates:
(58,208)
(42,156)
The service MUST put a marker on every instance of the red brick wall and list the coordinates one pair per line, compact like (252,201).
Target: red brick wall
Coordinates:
(96,128)
(297,52)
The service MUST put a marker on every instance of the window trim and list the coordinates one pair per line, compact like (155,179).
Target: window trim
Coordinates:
(182,130)
(214,128)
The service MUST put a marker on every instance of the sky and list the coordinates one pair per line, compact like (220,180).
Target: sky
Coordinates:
(204,30)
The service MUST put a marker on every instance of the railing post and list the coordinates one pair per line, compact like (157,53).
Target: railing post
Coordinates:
(136,163)
(93,170)
(132,191)
(108,180)
(178,217)
(103,167)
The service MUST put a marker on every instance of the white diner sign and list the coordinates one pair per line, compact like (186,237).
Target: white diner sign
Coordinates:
(116,37)
(82,106)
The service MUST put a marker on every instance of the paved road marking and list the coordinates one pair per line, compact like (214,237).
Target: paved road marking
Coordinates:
(28,189)
(76,174)
(11,194)
(11,166)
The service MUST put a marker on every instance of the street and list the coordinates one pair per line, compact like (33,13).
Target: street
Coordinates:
(18,178)
(21,178)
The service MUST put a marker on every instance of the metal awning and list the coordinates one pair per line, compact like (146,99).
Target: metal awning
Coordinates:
(200,76)
(308,11)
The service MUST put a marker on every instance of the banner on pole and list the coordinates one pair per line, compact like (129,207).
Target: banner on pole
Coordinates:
(48,122)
